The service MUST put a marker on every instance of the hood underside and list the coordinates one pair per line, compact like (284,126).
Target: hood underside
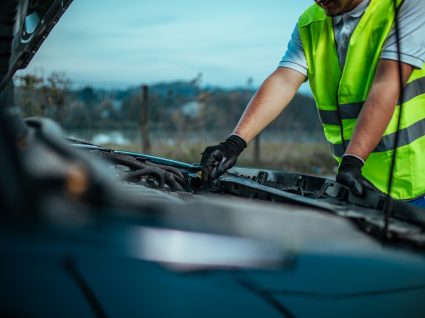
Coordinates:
(24,25)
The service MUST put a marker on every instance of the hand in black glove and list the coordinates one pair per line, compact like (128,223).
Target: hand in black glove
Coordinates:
(350,175)
(217,159)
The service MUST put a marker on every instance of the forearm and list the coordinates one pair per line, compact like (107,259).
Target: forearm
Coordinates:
(269,101)
(371,124)
(378,108)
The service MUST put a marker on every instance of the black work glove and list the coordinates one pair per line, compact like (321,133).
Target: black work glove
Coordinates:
(217,159)
(350,175)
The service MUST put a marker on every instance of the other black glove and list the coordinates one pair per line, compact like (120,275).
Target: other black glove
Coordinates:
(217,159)
(350,175)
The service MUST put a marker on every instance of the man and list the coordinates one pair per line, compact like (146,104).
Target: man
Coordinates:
(348,50)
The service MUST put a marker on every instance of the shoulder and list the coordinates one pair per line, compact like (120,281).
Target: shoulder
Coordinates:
(410,6)
(412,16)
(312,14)
(412,42)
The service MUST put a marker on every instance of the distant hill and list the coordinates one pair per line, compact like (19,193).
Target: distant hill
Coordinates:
(173,106)
(224,106)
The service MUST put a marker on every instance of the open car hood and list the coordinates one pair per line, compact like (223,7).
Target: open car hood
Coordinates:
(24,25)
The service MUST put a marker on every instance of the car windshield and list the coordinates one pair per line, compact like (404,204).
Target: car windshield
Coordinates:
(170,78)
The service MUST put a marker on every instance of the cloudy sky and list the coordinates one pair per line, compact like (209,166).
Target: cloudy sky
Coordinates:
(137,41)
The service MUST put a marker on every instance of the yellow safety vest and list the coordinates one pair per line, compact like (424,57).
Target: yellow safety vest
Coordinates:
(347,90)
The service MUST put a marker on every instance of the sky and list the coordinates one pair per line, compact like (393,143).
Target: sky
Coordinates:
(133,42)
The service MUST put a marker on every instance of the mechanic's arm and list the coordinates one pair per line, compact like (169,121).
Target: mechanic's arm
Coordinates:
(372,122)
(378,108)
(269,101)
(271,98)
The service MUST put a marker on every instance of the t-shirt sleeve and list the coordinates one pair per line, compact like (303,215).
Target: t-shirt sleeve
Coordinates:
(411,22)
(294,57)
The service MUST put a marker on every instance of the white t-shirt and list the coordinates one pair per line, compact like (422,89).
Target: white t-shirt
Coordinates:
(412,37)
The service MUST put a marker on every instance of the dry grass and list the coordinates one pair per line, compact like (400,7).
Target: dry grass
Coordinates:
(298,157)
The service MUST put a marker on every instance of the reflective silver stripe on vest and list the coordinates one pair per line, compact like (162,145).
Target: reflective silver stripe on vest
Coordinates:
(406,136)
(352,110)
(348,111)
(413,89)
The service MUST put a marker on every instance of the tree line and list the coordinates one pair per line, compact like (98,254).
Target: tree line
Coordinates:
(176,106)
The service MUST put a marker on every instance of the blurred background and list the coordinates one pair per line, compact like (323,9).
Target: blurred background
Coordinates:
(169,78)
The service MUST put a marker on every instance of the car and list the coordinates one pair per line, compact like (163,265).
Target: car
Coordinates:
(92,231)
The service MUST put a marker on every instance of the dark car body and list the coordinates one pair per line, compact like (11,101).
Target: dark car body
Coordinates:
(85,232)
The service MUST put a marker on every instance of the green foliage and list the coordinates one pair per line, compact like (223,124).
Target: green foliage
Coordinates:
(39,96)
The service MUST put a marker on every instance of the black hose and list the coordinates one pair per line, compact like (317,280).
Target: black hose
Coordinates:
(133,163)
(172,183)
(124,160)
(169,175)
(157,173)
(183,183)
(167,168)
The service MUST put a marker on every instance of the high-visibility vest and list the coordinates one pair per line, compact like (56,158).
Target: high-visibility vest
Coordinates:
(340,94)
